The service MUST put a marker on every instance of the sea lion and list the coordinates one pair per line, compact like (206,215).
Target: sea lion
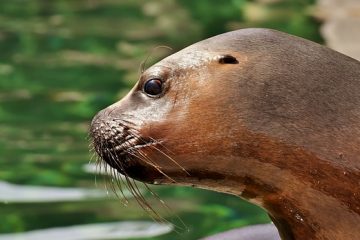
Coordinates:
(264,115)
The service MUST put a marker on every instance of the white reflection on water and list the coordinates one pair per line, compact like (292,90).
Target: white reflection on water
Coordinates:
(104,170)
(20,193)
(95,169)
(115,230)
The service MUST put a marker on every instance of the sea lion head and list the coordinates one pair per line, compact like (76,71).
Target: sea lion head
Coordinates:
(230,100)
(171,122)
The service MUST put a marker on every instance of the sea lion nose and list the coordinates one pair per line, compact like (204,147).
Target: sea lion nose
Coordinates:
(105,124)
(103,116)
(113,111)
(96,123)
(102,125)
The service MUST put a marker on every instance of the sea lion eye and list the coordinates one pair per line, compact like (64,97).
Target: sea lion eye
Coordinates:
(153,87)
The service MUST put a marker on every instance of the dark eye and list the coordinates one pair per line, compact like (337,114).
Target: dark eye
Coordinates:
(153,87)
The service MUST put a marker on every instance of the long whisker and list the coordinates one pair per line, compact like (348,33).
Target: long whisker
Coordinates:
(169,157)
(158,217)
(135,190)
(108,184)
(104,177)
(162,152)
(167,207)
(143,63)
(151,163)
(107,150)
(118,183)
(140,200)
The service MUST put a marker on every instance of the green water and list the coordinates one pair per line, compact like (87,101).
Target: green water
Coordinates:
(62,61)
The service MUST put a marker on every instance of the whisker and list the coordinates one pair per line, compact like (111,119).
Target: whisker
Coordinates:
(101,165)
(143,63)
(138,197)
(170,158)
(162,152)
(159,218)
(168,208)
(136,192)
(144,159)
(108,150)
(114,173)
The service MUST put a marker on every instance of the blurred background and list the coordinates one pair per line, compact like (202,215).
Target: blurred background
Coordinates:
(61,61)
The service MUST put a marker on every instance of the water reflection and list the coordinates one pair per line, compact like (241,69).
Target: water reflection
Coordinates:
(114,230)
(16,193)
(19,193)
(95,169)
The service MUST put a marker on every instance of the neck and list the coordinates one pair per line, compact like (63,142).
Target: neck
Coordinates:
(308,194)
(306,197)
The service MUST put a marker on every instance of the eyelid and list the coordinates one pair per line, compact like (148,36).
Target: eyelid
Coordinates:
(159,72)
(152,78)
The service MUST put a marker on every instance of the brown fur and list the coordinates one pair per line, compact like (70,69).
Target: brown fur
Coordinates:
(280,127)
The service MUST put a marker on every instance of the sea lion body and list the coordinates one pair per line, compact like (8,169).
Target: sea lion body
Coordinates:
(261,114)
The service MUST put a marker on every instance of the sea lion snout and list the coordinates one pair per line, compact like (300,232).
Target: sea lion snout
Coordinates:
(120,144)
(110,139)
(119,136)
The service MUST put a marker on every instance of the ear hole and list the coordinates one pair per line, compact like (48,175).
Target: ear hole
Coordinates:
(228,59)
